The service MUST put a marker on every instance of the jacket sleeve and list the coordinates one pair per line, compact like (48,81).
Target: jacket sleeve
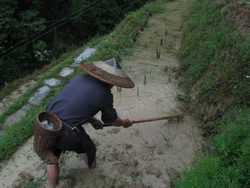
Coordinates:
(109,113)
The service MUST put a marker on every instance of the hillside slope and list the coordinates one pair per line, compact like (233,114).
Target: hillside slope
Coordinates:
(148,154)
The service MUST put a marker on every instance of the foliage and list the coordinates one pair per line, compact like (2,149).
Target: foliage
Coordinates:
(120,41)
(214,58)
(41,52)
(58,26)
(19,21)
(16,134)
(58,48)
(34,184)
(10,141)
(214,73)
(22,100)
(228,164)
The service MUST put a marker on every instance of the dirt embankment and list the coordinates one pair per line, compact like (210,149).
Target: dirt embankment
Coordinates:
(149,154)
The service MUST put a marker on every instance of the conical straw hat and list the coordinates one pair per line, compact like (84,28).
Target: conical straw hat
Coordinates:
(109,72)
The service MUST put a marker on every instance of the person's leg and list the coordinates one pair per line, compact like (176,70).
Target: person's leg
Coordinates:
(85,158)
(53,174)
(53,167)
(88,147)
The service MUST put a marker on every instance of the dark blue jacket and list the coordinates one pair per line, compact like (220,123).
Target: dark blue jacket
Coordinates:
(81,99)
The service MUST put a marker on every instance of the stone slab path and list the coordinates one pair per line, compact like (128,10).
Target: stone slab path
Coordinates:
(43,91)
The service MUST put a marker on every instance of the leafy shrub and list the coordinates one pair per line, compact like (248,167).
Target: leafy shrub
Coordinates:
(42,54)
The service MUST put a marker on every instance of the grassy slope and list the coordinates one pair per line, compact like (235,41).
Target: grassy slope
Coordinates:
(214,62)
(214,65)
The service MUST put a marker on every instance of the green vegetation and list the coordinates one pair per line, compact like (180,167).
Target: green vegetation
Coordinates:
(120,41)
(227,163)
(215,57)
(35,32)
(25,96)
(16,134)
(114,44)
(214,72)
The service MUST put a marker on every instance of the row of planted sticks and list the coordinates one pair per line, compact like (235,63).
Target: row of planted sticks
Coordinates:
(120,89)
(172,44)
(158,54)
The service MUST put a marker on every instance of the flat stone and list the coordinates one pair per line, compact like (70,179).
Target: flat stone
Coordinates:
(17,115)
(52,82)
(14,118)
(39,95)
(66,71)
(26,107)
(87,52)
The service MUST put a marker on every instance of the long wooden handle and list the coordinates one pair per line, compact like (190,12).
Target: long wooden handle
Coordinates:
(177,116)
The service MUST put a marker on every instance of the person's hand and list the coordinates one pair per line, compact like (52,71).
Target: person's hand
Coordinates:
(122,122)
(126,123)
(96,123)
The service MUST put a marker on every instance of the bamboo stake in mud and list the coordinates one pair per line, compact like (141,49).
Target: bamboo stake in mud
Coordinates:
(161,41)
(137,91)
(145,79)
(158,54)
(166,32)
(165,69)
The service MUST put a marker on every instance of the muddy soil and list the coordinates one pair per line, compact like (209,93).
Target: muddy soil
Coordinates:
(150,154)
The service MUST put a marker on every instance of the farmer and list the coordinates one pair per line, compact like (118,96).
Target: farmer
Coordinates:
(79,101)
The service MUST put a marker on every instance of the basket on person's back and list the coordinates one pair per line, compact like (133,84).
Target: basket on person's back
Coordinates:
(47,128)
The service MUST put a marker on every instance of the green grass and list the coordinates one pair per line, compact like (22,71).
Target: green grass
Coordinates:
(211,44)
(214,68)
(16,134)
(248,3)
(228,162)
(36,183)
(121,39)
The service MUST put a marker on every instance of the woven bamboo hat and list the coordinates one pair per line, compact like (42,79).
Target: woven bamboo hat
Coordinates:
(109,72)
